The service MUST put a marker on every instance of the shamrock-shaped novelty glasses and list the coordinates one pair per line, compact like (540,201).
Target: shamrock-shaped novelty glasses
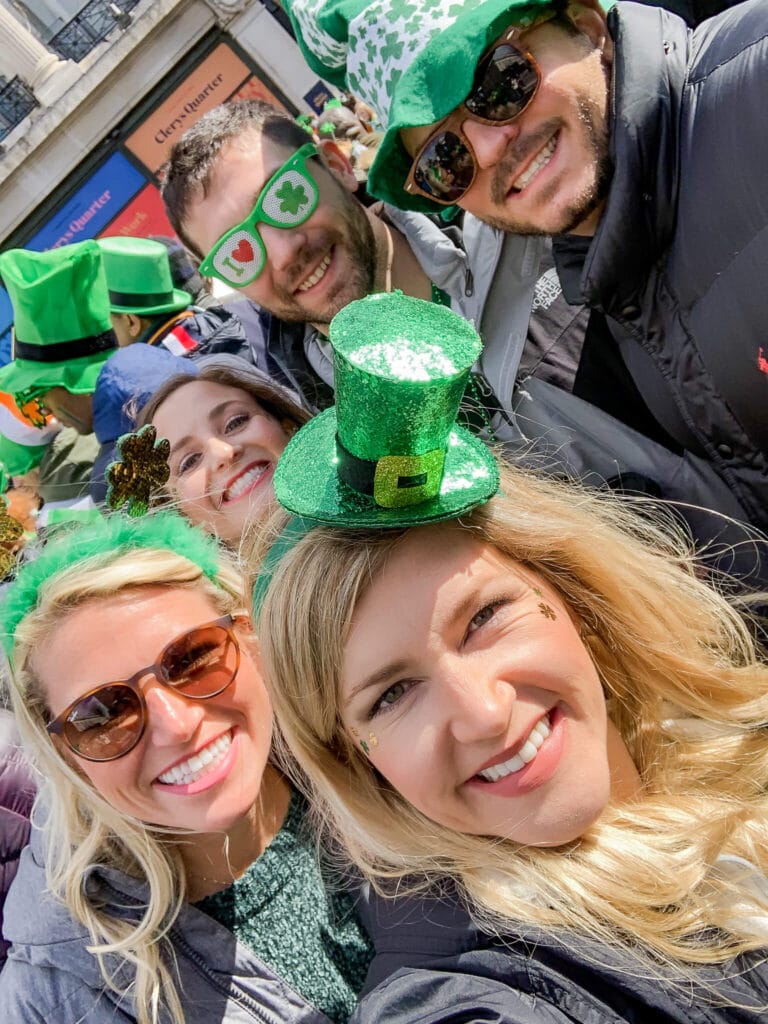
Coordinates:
(287,200)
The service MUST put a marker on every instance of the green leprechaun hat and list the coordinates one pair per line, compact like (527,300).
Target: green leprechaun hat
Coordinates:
(62,330)
(412,61)
(139,277)
(390,453)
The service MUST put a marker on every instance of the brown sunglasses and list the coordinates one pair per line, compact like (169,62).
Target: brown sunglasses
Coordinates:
(109,720)
(506,80)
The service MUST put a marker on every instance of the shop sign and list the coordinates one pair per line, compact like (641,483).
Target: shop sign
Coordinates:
(92,207)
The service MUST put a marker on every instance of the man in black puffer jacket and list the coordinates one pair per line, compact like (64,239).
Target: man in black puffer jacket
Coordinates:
(639,144)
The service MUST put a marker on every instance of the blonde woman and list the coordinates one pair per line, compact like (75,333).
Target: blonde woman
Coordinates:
(169,878)
(525,692)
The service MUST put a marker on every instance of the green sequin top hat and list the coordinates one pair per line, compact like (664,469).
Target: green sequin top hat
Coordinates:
(62,330)
(412,61)
(139,277)
(389,453)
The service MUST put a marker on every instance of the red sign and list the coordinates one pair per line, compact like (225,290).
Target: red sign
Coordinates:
(144,216)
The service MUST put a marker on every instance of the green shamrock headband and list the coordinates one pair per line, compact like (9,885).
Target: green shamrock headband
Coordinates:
(112,533)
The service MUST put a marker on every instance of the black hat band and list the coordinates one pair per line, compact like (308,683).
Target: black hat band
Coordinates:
(393,480)
(141,300)
(63,351)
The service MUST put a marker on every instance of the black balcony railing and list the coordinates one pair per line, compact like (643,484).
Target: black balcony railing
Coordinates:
(16,101)
(90,26)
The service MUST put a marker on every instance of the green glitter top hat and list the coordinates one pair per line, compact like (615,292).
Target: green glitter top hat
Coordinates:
(390,452)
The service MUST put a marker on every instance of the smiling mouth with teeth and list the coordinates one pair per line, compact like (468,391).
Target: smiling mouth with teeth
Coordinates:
(524,756)
(317,274)
(543,158)
(245,482)
(199,764)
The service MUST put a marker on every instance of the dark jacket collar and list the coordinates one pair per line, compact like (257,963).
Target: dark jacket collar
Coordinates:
(650,60)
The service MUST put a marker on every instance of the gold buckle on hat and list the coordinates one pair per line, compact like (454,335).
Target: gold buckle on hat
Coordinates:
(408,479)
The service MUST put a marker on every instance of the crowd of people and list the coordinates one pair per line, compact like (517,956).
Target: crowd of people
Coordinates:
(385,638)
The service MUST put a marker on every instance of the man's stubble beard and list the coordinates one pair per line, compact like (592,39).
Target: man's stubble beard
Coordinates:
(590,198)
(357,234)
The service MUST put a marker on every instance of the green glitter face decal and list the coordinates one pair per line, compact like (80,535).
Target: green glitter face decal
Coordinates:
(288,199)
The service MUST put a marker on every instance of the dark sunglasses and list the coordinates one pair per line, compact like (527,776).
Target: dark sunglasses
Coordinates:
(108,721)
(506,80)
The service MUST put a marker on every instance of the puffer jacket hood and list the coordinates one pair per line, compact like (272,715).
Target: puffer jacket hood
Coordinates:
(127,380)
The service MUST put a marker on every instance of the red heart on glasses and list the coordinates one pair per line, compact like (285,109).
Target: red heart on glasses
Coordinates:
(244,251)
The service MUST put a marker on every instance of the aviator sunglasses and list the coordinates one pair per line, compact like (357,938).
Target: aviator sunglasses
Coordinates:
(287,200)
(506,80)
(108,721)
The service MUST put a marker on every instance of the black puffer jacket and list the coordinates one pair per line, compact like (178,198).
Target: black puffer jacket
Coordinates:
(433,966)
(679,262)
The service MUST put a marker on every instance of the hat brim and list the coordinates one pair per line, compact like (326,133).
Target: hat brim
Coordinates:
(307,484)
(77,375)
(19,459)
(180,301)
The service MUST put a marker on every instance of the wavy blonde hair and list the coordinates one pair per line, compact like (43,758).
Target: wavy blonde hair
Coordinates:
(684,686)
(82,829)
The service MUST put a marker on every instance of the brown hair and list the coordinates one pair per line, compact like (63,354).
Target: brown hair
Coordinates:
(271,396)
(194,156)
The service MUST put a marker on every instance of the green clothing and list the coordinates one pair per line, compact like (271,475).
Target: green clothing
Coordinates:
(309,935)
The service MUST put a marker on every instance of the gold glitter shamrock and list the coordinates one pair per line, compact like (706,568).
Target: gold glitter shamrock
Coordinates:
(11,530)
(537,591)
(292,197)
(142,469)
(547,611)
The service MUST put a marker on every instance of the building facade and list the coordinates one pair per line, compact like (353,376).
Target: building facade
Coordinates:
(93,95)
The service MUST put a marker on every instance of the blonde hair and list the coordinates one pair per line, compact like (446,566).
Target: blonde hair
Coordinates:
(82,829)
(683,684)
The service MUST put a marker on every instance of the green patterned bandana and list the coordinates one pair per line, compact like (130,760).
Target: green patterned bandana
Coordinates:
(412,61)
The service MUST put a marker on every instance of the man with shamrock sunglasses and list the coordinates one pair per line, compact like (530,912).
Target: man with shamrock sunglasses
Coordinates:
(275,217)
(639,145)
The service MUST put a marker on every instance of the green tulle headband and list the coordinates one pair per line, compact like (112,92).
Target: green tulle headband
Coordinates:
(112,533)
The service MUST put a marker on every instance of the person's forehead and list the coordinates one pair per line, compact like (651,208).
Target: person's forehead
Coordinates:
(247,163)
(244,166)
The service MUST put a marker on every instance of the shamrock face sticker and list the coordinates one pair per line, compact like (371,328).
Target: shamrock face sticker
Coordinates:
(142,469)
